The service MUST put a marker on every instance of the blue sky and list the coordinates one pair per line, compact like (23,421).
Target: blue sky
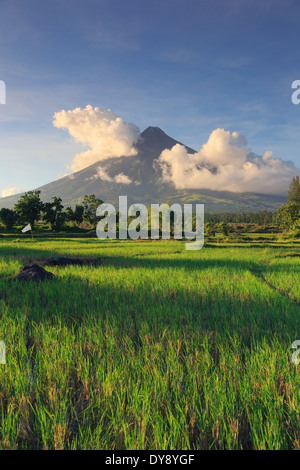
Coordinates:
(187,66)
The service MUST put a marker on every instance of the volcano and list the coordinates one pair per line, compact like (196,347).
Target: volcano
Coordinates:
(138,178)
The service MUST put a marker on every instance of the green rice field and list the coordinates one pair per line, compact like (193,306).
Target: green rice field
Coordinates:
(151,347)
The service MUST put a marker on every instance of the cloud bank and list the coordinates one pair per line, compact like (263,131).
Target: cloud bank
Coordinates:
(225,163)
(103,131)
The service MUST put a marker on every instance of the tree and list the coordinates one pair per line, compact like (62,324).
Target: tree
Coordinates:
(223,228)
(8,217)
(53,213)
(294,191)
(90,204)
(288,216)
(75,215)
(29,207)
(209,229)
(70,214)
(78,214)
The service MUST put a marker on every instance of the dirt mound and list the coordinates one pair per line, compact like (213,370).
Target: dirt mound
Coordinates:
(34,272)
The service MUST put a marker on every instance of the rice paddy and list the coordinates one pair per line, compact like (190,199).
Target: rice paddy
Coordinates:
(154,348)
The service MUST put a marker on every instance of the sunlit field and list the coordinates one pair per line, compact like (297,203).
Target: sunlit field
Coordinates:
(152,347)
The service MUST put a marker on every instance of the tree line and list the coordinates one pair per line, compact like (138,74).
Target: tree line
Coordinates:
(262,217)
(30,209)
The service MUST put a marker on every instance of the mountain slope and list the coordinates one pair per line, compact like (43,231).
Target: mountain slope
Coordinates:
(145,186)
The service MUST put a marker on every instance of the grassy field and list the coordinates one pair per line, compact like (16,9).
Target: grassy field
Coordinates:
(156,347)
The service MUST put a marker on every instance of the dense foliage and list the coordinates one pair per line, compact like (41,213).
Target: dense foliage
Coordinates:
(288,216)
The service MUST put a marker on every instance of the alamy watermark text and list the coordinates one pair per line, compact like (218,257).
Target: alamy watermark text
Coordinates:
(2,353)
(2,92)
(296,94)
(185,222)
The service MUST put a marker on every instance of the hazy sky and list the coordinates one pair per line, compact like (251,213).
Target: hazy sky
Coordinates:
(187,66)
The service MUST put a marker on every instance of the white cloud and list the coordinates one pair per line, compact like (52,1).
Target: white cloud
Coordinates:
(103,131)
(63,174)
(104,176)
(10,191)
(121,178)
(226,163)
